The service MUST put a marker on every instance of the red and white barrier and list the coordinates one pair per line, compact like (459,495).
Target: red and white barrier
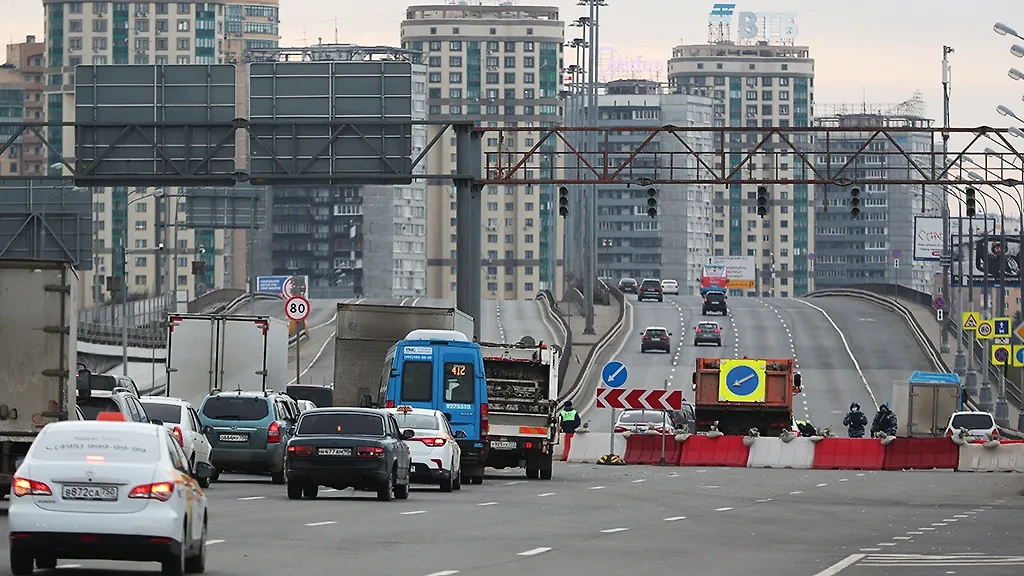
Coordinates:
(774,453)
(587,447)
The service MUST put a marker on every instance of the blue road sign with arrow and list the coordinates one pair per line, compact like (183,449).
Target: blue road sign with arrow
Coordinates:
(614,374)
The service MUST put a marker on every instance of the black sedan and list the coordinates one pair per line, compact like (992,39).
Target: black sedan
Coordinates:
(628,286)
(342,448)
(707,333)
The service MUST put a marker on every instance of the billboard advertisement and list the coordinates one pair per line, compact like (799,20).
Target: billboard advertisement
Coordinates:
(286,286)
(928,233)
(739,270)
(991,258)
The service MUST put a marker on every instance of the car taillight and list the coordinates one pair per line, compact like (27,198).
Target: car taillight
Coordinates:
(699,330)
(389,404)
(300,451)
(485,427)
(949,432)
(370,452)
(659,289)
(178,436)
(705,300)
(274,433)
(620,429)
(27,487)
(717,330)
(435,442)
(995,432)
(161,491)
(645,337)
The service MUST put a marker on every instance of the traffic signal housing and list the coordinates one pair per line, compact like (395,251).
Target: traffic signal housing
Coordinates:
(762,201)
(854,202)
(972,204)
(563,201)
(652,202)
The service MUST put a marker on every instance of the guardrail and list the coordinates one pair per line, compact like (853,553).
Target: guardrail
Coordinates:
(555,313)
(599,348)
(931,351)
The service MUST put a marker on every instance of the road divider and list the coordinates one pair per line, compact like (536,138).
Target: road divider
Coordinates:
(587,447)
(921,454)
(728,451)
(798,453)
(999,458)
(647,449)
(849,454)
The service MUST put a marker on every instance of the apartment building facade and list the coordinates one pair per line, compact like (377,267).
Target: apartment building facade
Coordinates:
(497,66)
(21,100)
(763,86)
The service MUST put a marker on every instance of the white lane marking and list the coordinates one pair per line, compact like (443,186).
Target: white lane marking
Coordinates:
(902,537)
(822,485)
(843,479)
(860,474)
(938,523)
(247,498)
(710,487)
(960,516)
(487,504)
(841,565)
(764,500)
(212,542)
(514,482)
(795,492)
(545,494)
(639,481)
(849,352)
(596,487)
(411,512)
(443,572)
(72,566)
(726,509)
(916,533)
(534,552)
(613,530)
(321,523)
(929,528)
(870,549)
(675,518)
(886,543)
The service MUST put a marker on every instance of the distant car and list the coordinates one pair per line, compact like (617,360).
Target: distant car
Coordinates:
(685,419)
(650,289)
(305,405)
(111,382)
(434,450)
(628,285)
(979,425)
(117,405)
(637,421)
(359,448)
(107,491)
(249,431)
(670,287)
(182,421)
(655,338)
(714,302)
(707,333)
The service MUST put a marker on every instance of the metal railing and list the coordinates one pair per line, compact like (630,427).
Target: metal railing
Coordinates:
(556,315)
(606,341)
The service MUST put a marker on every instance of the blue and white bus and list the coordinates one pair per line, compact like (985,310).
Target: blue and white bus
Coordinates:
(442,370)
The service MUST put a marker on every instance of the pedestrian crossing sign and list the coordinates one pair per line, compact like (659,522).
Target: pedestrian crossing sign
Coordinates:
(971,321)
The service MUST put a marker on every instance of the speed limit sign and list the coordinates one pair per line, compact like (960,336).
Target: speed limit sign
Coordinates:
(296,308)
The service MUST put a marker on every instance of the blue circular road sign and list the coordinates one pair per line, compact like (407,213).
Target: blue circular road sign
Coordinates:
(1020,355)
(810,256)
(896,253)
(742,381)
(614,374)
(1002,354)
(938,302)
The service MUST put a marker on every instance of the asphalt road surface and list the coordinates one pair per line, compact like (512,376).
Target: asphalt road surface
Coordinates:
(592,520)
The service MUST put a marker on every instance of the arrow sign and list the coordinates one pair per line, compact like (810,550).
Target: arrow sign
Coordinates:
(638,399)
(614,374)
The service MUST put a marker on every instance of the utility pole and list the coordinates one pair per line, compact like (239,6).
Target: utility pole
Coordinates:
(124,303)
(944,258)
(590,200)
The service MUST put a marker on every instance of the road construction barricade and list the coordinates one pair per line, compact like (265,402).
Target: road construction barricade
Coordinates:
(589,446)
(849,454)
(774,453)
(646,449)
(921,454)
(699,450)
(1004,457)
(561,450)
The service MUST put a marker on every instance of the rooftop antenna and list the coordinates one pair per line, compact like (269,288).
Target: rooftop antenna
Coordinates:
(336,30)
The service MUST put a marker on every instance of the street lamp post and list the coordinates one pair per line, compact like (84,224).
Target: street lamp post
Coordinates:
(158,193)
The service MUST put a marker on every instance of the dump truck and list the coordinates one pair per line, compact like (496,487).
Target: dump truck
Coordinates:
(737,395)
(365,333)
(38,353)
(522,399)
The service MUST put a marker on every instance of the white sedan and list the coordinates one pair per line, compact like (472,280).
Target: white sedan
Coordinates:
(433,447)
(669,287)
(181,420)
(107,491)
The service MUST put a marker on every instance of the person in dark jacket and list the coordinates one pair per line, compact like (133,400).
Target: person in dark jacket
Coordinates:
(855,421)
(885,421)
(570,419)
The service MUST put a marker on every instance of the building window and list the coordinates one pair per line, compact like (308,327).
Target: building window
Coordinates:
(455,45)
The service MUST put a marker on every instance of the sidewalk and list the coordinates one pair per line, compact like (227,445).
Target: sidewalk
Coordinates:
(582,344)
(926,318)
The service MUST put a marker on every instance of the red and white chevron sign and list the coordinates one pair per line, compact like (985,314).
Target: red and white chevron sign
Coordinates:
(636,399)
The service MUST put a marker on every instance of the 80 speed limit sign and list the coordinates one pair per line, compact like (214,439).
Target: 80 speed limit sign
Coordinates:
(296,308)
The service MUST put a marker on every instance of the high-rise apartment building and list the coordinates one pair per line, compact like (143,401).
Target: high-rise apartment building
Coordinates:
(146,223)
(759,85)
(678,241)
(497,66)
(861,249)
(21,100)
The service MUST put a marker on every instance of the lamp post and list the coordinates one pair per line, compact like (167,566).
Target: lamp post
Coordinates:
(158,193)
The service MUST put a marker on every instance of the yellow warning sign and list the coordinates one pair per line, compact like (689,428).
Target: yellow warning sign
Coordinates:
(971,321)
(1001,354)
(986,330)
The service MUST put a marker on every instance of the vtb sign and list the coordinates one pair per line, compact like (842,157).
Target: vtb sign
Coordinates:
(767,26)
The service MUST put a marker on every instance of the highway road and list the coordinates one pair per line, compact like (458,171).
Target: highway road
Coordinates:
(510,320)
(592,520)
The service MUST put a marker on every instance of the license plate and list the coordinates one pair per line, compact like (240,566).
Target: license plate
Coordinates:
(503,445)
(79,492)
(334,451)
(234,438)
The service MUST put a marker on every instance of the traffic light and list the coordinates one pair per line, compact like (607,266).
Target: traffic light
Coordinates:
(854,202)
(652,202)
(563,201)
(972,205)
(762,201)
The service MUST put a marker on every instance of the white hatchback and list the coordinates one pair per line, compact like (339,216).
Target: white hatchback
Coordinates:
(182,421)
(107,491)
(979,425)
(670,287)
(433,447)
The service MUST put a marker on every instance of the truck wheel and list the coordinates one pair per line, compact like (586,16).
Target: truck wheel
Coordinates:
(477,480)
(533,473)
(545,474)
(545,467)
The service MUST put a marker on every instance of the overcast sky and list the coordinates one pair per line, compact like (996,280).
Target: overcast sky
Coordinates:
(880,51)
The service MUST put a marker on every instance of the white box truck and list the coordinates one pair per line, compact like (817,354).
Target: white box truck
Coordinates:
(221,352)
(38,360)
